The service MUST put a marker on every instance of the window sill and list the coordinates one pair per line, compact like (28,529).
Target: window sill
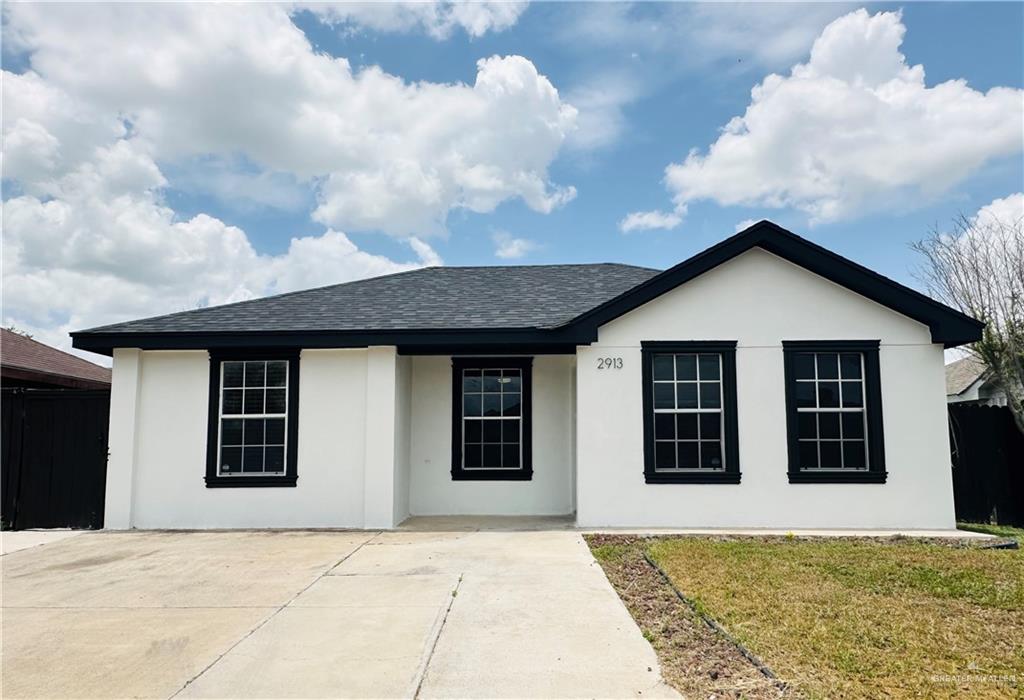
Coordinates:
(850,477)
(692,478)
(220,482)
(492,475)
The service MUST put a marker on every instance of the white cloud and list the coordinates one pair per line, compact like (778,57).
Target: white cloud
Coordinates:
(1008,210)
(647,220)
(634,50)
(507,247)
(200,80)
(600,121)
(852,130)
(745,224)
(438,19)
(102,248)
(233,101)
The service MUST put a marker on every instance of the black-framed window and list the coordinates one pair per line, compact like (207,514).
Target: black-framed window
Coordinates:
(690,426)
(252,437)
(834,412)
(491,418)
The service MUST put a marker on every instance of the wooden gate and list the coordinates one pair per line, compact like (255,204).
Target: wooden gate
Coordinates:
(988,464)
(54,458)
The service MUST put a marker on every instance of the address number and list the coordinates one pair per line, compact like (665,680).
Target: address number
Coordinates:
(609,363)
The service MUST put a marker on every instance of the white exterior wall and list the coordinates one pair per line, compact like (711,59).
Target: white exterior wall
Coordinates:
(759,300)
(374,445)
(403,426)
(432,491)
(126,384)
(170,447)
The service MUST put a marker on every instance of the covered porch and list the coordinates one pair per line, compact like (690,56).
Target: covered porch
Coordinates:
(431,447)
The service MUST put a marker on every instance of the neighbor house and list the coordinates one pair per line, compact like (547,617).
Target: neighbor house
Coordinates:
(969,381)
(765,382)
(28,364)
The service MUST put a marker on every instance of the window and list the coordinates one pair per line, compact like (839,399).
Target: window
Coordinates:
(491,418)
(690,431)
(253,420)
(834,412)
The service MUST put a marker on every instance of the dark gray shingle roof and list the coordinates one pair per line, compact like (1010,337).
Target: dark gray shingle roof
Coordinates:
(435,298)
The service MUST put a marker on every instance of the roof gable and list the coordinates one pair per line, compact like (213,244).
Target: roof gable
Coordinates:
(947,326)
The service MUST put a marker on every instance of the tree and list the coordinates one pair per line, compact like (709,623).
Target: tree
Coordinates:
(978,268)
(14,329)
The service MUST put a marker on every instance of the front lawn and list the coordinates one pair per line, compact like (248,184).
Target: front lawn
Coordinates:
(855,618)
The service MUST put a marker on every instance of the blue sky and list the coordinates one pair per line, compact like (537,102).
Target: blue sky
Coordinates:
(638,88)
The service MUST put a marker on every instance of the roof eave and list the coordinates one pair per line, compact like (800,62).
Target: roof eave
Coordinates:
(105,343)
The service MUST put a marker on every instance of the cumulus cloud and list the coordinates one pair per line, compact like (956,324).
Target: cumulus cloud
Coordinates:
(1008,210)
(508,247)
(228,80)
(438,19)
(121,104)
(647,220)
(854,129)
(101,247)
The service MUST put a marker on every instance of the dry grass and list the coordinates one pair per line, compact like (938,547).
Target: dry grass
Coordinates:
(863,619)
(694,659)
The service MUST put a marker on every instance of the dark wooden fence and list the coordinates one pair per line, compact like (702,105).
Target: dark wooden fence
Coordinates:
(988,464)
(53,447)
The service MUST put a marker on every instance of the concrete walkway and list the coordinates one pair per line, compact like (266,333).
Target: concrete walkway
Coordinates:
(413,613)
(14,541)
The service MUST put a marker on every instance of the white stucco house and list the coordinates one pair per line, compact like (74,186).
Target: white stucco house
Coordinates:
(765,382)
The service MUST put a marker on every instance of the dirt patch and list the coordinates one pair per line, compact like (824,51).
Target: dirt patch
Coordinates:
(695,659)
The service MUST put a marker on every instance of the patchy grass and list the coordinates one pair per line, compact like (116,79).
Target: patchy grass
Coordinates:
(694,659)
(861,618)
(1016,533)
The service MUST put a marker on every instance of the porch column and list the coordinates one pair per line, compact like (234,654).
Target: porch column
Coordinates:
(379,475)
(125,383)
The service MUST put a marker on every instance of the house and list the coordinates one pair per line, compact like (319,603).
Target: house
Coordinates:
(27,363)
(765,382)
(969,381)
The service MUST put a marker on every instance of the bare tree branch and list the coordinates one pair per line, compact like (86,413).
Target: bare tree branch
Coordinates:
(979,269)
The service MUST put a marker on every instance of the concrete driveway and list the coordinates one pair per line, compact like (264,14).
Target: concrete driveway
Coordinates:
(429,613)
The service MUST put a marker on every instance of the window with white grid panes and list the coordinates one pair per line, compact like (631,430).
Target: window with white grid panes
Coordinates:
(253,418)
(491,418)
(831,410)
(492,424)
(688,411)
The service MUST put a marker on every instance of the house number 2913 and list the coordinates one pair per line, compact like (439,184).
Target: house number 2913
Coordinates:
(609,363)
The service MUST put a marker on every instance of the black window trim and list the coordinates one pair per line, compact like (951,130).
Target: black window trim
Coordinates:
(875,473)
(727,349)
(213,477)
(525,471)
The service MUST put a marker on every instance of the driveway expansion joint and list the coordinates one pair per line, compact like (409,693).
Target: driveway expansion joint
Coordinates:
(271,616)
(421,673)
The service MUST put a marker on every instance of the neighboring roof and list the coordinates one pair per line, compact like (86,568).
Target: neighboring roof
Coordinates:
(27,359)
(960,375)
(546,305)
